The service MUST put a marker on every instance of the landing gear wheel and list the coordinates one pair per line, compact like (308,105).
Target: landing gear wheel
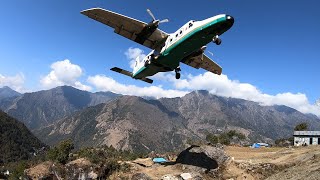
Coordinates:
(216,40)
(147,63)
(178,75)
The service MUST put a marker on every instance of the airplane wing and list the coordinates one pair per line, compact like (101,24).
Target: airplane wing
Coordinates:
(127,73)
(204,62)
(128,27)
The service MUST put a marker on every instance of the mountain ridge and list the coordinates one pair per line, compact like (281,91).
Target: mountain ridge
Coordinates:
(134,123)
(38,109)
(7,92)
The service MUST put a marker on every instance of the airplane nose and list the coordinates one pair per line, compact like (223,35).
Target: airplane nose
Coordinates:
(230,19)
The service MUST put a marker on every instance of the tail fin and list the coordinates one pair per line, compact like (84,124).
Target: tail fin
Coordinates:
(127,73)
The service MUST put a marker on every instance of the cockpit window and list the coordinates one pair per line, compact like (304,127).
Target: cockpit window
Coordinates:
(190,25)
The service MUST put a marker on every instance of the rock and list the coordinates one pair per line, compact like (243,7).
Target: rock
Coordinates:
(140,176)
(92,175)
(203,158)
(169,177)
(186,176)
(40,170)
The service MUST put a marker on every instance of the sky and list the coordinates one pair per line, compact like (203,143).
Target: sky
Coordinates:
(270,55)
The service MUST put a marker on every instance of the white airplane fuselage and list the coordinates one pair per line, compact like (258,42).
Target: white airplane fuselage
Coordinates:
(188,40)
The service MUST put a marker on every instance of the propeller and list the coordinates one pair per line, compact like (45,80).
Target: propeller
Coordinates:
(156,21)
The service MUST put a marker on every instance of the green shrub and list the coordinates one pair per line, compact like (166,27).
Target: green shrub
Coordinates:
(61,152)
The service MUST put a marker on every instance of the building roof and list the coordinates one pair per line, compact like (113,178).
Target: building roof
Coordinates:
(308,133)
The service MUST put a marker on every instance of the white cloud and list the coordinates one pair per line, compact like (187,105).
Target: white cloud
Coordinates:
(15,82)
(104,83)
(132,54)
(223,86)
(64,73)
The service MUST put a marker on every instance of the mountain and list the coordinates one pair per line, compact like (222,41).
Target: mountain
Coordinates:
(6,92)
(7,96)
(16,141)
(317,103)
(42,108)
(127,122)
(130,122)
(205,111)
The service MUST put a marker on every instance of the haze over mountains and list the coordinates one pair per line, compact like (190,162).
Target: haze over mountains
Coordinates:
(42,108)
(145,124)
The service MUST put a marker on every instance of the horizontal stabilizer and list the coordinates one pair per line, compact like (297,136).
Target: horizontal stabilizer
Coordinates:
(121,71)
(127,73)
(147,80)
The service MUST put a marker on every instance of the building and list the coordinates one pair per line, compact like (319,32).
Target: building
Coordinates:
(301,138)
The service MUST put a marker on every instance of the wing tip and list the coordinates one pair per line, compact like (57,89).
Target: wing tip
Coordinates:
(90,9)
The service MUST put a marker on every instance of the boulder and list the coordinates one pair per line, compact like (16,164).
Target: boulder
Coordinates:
(204,158)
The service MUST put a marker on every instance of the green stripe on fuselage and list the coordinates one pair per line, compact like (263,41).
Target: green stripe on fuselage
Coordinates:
(182,48)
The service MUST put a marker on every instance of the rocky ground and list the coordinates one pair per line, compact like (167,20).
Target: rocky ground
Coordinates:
(204,162)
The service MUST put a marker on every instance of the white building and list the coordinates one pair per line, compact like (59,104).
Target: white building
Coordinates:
(306,138)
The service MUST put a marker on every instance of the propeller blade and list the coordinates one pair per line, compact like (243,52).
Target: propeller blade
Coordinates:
(164,21)
(150,13)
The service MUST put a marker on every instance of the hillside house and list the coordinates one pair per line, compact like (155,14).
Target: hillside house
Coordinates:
(301,138)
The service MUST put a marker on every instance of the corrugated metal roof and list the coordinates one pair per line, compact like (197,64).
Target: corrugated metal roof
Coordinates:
(310,133)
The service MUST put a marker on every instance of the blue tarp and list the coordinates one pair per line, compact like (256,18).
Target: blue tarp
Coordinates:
(159,160)
(256,145)
(259,145)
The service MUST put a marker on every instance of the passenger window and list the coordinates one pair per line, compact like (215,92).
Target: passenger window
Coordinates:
(181,32)
(176,35)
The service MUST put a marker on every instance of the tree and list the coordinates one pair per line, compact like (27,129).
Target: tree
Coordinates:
(212,138)
(301,127)
(61,152)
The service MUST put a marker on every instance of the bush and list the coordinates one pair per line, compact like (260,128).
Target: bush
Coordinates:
(61,152)
(224,138)
(301,127)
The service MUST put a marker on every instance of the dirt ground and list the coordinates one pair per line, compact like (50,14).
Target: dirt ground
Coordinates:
(273,163)
(247,163)
(243,163)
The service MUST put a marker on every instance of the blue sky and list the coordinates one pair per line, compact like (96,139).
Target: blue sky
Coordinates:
(271,50)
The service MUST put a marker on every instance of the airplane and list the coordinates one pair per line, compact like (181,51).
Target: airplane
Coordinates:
(186,45)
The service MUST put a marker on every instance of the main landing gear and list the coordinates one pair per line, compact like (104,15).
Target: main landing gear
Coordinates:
(177,70)
(216,40)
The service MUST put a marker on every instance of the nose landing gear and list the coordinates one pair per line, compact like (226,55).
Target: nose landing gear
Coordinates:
(177,70)
(216,40)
